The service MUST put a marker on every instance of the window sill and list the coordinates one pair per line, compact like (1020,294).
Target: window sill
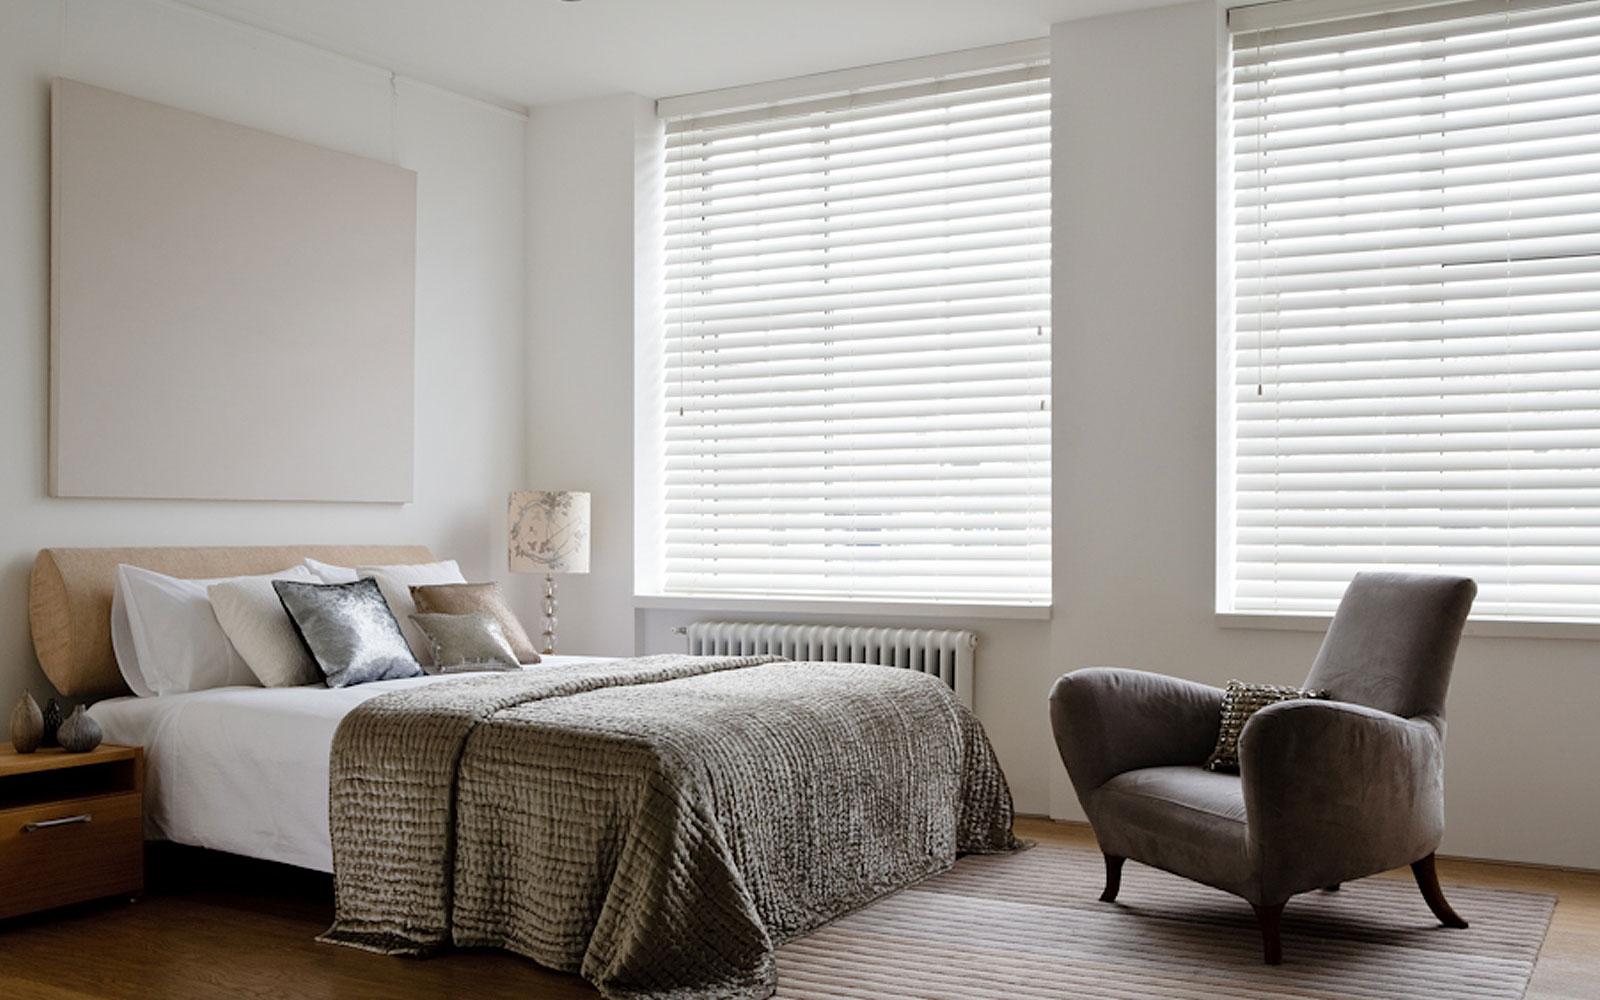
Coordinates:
(1511,628)
(875,608)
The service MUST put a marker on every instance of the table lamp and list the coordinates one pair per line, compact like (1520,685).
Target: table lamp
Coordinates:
(548,533)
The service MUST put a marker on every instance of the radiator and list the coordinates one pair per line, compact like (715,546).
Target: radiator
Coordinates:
(945,653)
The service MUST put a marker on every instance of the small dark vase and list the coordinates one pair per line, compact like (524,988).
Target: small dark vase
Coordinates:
(52,722)
(79,734)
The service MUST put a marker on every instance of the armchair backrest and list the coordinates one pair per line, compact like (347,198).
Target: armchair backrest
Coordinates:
(1393,641)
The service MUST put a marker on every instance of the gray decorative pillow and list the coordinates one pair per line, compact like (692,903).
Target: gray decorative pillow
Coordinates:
(349,629)
(474,641)
(1239,702)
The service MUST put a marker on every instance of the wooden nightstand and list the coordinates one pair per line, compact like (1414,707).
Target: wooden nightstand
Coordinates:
(71,826)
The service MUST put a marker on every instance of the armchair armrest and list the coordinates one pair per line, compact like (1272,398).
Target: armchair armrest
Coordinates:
(1335,791)
(1108,721)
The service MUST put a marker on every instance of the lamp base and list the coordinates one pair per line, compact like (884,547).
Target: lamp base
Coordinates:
(549,636)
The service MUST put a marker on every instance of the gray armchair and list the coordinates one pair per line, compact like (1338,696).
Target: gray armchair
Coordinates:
(1327,791)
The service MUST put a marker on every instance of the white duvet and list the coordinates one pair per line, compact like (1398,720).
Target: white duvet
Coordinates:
(245,769)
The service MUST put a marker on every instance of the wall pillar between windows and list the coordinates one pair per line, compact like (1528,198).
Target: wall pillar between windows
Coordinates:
(584,249)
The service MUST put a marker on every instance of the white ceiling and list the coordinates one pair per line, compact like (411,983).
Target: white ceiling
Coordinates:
(527,52)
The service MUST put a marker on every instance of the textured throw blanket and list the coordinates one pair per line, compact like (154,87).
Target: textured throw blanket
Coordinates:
(658,825)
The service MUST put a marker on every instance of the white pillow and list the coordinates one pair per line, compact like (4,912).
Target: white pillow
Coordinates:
(329,573)
(253,619)
(122,644)
(396,582)
(180,646)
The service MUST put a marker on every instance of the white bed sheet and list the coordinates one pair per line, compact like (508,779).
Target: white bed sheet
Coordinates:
(245,769)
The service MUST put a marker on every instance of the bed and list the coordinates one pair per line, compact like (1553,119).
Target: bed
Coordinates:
(243,769)
(658,825)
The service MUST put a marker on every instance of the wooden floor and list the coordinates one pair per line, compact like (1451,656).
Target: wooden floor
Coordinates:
(212,926)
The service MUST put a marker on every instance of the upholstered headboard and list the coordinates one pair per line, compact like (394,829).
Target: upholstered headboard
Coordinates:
(69,597)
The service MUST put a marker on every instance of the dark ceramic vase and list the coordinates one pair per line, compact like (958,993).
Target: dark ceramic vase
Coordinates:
(79,734)
(52,722)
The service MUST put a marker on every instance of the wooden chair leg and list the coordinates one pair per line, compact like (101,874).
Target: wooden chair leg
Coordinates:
(1427,876)
(1113,878)
(1270,918)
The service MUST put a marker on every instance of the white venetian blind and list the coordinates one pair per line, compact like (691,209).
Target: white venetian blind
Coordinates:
(1415,343)
(857,353)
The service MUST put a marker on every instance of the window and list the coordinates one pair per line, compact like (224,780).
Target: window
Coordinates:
(855,371)
(1411,378)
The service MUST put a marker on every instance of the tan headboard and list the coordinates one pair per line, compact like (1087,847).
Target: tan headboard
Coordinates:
(69,597)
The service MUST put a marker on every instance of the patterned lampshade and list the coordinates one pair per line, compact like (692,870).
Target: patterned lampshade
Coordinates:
(549,532)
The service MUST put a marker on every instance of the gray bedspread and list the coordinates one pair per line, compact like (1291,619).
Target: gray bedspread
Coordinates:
(658,825)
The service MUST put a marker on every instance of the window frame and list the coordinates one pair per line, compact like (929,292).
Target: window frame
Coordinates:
(1224,614)
(650,361)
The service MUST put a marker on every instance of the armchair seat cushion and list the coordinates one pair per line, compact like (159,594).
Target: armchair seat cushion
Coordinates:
(1193,788)
(1184,819)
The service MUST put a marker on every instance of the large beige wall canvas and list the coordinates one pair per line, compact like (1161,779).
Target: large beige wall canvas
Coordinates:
(232,311)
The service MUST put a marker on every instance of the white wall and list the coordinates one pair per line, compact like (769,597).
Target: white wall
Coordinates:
(584,215)
(470,282)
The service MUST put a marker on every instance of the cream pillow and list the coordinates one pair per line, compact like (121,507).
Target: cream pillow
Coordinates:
(329,573)
(179,644)
(395,582)
(253,618)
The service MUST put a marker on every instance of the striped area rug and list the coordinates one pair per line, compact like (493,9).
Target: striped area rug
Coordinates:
(1030,925)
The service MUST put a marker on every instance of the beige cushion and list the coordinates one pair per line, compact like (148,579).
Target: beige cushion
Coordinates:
(469,642)
(69,597)
(469,598)
(255,622)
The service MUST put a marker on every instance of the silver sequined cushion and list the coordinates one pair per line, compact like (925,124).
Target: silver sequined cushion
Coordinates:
(473,641)
(1239,702)
(349,629)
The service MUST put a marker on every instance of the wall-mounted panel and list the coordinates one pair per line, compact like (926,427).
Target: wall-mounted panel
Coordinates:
(232,311)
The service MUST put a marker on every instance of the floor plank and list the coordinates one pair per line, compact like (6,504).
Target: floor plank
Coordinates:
(214,926)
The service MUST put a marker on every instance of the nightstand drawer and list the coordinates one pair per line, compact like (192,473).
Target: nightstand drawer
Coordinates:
(68,851)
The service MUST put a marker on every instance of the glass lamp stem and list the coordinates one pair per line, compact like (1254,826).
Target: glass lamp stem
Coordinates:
(549,614)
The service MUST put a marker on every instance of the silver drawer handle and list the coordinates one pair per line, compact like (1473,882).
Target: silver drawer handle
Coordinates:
(63,821)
